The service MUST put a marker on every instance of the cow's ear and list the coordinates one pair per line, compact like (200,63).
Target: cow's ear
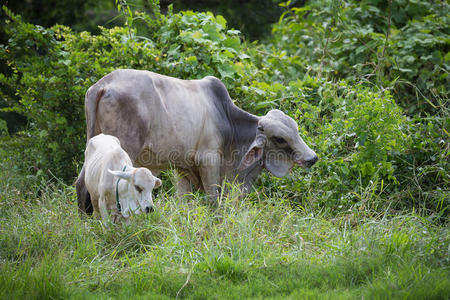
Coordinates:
(121,174)
(158,182)
(254,153)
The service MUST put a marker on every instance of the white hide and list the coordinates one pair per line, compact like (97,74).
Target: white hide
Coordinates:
(104,164)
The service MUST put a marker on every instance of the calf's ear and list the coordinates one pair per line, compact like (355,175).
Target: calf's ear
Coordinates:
(121,174)
(158,182)
(254,153)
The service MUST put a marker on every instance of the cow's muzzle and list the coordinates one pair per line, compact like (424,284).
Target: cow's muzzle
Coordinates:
(307,163)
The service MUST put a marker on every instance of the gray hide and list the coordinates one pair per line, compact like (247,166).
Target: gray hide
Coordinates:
(192,125)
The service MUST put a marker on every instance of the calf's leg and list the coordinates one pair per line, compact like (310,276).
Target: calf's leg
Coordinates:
(102,206)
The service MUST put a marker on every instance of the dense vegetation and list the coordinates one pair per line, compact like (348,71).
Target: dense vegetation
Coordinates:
(252,17)
(367,82)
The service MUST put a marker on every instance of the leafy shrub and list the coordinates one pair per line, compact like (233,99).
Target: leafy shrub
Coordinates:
(424,167)
(399,43)
(3,128)
(372,122)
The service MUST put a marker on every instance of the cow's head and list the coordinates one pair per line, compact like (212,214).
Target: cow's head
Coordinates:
(278,145)
(136,194)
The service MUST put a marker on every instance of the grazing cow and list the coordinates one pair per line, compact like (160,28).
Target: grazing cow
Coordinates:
(112,181)
(192,125)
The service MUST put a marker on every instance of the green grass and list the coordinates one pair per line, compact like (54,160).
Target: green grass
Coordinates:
(247,248)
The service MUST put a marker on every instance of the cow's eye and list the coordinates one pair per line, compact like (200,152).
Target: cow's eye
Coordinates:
(138,188)
(279,140)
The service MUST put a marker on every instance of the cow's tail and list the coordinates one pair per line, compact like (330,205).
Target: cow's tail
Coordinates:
(84,198)
(93,96)
(92,99)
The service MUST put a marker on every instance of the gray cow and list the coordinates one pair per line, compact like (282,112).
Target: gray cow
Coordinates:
(192,125)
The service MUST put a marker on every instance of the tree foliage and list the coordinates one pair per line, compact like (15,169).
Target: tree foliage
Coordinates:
(398,44)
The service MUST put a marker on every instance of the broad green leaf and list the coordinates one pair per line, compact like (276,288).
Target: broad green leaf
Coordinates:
(226,70)
(221,20)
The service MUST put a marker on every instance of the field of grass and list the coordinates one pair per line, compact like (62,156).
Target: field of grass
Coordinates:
(246,248)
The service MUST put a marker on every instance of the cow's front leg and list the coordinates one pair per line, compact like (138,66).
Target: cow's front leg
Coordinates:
(184,186)
(210,176)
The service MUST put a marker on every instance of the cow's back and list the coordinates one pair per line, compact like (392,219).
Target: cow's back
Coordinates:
(166,118)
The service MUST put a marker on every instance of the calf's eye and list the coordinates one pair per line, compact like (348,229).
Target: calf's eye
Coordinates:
(138,188)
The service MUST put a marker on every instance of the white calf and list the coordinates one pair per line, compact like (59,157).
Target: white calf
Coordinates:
(112,181)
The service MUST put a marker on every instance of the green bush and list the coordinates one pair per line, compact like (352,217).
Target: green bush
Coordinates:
(3,128)
(403,44)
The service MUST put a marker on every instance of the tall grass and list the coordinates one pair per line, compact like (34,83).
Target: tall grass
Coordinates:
(252,247)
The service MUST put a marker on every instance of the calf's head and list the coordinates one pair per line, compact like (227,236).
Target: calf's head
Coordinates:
(278,145)
(135,195)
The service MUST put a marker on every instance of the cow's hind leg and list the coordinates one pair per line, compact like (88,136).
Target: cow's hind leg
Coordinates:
(84,199)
